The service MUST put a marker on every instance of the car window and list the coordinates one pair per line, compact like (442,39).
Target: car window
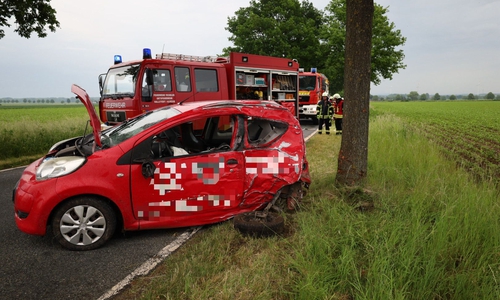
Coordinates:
(182,79)
(214,133)
(162,81)
(206,80)
(263,131)
(193,137)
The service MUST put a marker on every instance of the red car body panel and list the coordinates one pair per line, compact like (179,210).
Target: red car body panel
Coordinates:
(187,190)
(94,120)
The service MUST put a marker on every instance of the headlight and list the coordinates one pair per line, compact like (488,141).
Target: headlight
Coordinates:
(58,166)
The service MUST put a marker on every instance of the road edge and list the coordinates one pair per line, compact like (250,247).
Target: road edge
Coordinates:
(151,263)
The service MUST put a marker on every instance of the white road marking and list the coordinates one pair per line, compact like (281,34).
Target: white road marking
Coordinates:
(151,263)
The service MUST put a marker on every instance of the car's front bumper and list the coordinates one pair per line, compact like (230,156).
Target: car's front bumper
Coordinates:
(30,198)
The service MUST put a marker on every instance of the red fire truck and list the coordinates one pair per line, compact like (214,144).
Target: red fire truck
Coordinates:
(311,86)
(133,87)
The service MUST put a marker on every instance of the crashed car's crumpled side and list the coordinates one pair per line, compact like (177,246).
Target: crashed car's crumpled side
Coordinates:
(276,160)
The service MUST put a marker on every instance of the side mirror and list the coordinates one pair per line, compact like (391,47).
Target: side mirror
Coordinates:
(148,169)
(147,91)
(101,79)
(149,77)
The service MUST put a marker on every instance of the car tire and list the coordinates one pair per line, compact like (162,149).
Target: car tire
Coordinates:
(250,223)
(83,223)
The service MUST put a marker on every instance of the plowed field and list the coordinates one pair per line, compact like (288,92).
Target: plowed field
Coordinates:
(468,132)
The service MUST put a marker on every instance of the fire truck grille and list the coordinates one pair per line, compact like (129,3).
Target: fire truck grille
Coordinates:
(304,99)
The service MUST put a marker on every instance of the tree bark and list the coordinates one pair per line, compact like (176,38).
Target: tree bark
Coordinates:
(353,155)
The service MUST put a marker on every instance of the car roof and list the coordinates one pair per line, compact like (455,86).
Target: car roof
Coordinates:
(188,106)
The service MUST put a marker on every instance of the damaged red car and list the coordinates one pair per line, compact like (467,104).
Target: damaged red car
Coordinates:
(183,165)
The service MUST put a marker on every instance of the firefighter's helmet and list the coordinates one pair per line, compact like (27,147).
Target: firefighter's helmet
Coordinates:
(336,96)
(325,94)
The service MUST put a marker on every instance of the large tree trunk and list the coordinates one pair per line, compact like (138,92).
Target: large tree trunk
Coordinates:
(353,156)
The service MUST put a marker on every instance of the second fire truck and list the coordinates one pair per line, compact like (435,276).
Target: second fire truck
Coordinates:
(311,86)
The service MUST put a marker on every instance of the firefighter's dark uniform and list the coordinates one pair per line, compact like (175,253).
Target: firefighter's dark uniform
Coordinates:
(324,112)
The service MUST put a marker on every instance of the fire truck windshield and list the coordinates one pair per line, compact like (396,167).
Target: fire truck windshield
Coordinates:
(120,82)
(307,83)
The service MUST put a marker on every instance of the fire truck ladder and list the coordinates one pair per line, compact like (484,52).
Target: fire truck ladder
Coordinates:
(194,58)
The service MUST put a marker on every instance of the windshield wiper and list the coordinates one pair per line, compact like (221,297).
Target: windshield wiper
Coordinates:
(122,95)
(117,96)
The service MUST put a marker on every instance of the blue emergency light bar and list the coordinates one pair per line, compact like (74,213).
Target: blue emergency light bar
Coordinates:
(314,70)
(146,53)
(118,59)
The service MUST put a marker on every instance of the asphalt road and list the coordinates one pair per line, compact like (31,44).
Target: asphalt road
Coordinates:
(33,267)
(308,129)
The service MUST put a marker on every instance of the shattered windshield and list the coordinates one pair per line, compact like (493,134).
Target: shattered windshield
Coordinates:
(134,126)
(307,83)
(120,82)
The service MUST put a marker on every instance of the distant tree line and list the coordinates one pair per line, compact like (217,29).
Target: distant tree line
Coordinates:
(38,100)
(58,100)
(415,96)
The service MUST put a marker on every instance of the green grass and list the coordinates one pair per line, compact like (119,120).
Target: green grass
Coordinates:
(27,132)
(468,132)
(432,234)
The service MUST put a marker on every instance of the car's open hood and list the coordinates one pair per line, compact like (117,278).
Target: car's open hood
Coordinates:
(94,119)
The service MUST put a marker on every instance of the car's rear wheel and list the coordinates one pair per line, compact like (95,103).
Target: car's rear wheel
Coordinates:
(252,223)
(83,223)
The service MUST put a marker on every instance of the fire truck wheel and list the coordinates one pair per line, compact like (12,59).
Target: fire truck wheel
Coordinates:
(251,223)
(315,120)
(83,223)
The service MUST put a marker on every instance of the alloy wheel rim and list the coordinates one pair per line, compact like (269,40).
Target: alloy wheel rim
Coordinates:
(82,225)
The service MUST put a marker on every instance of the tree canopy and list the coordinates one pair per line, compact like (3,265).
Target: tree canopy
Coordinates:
(31,16)
(385,59)
(280,28)
(293,29)
(413,95)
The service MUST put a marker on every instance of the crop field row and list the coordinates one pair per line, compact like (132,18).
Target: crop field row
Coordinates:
(468,132)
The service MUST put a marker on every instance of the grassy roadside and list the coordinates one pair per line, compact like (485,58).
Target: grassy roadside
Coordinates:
(27,132)
(432,234)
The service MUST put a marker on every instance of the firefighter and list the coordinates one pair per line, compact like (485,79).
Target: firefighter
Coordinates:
(338,103)
(324,113)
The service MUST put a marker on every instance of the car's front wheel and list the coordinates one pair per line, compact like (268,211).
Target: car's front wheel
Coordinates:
(83,223)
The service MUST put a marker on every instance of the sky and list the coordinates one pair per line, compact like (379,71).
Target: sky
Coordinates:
(452,46)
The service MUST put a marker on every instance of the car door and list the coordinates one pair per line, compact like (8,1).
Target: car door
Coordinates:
(269,163)
(189,189)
